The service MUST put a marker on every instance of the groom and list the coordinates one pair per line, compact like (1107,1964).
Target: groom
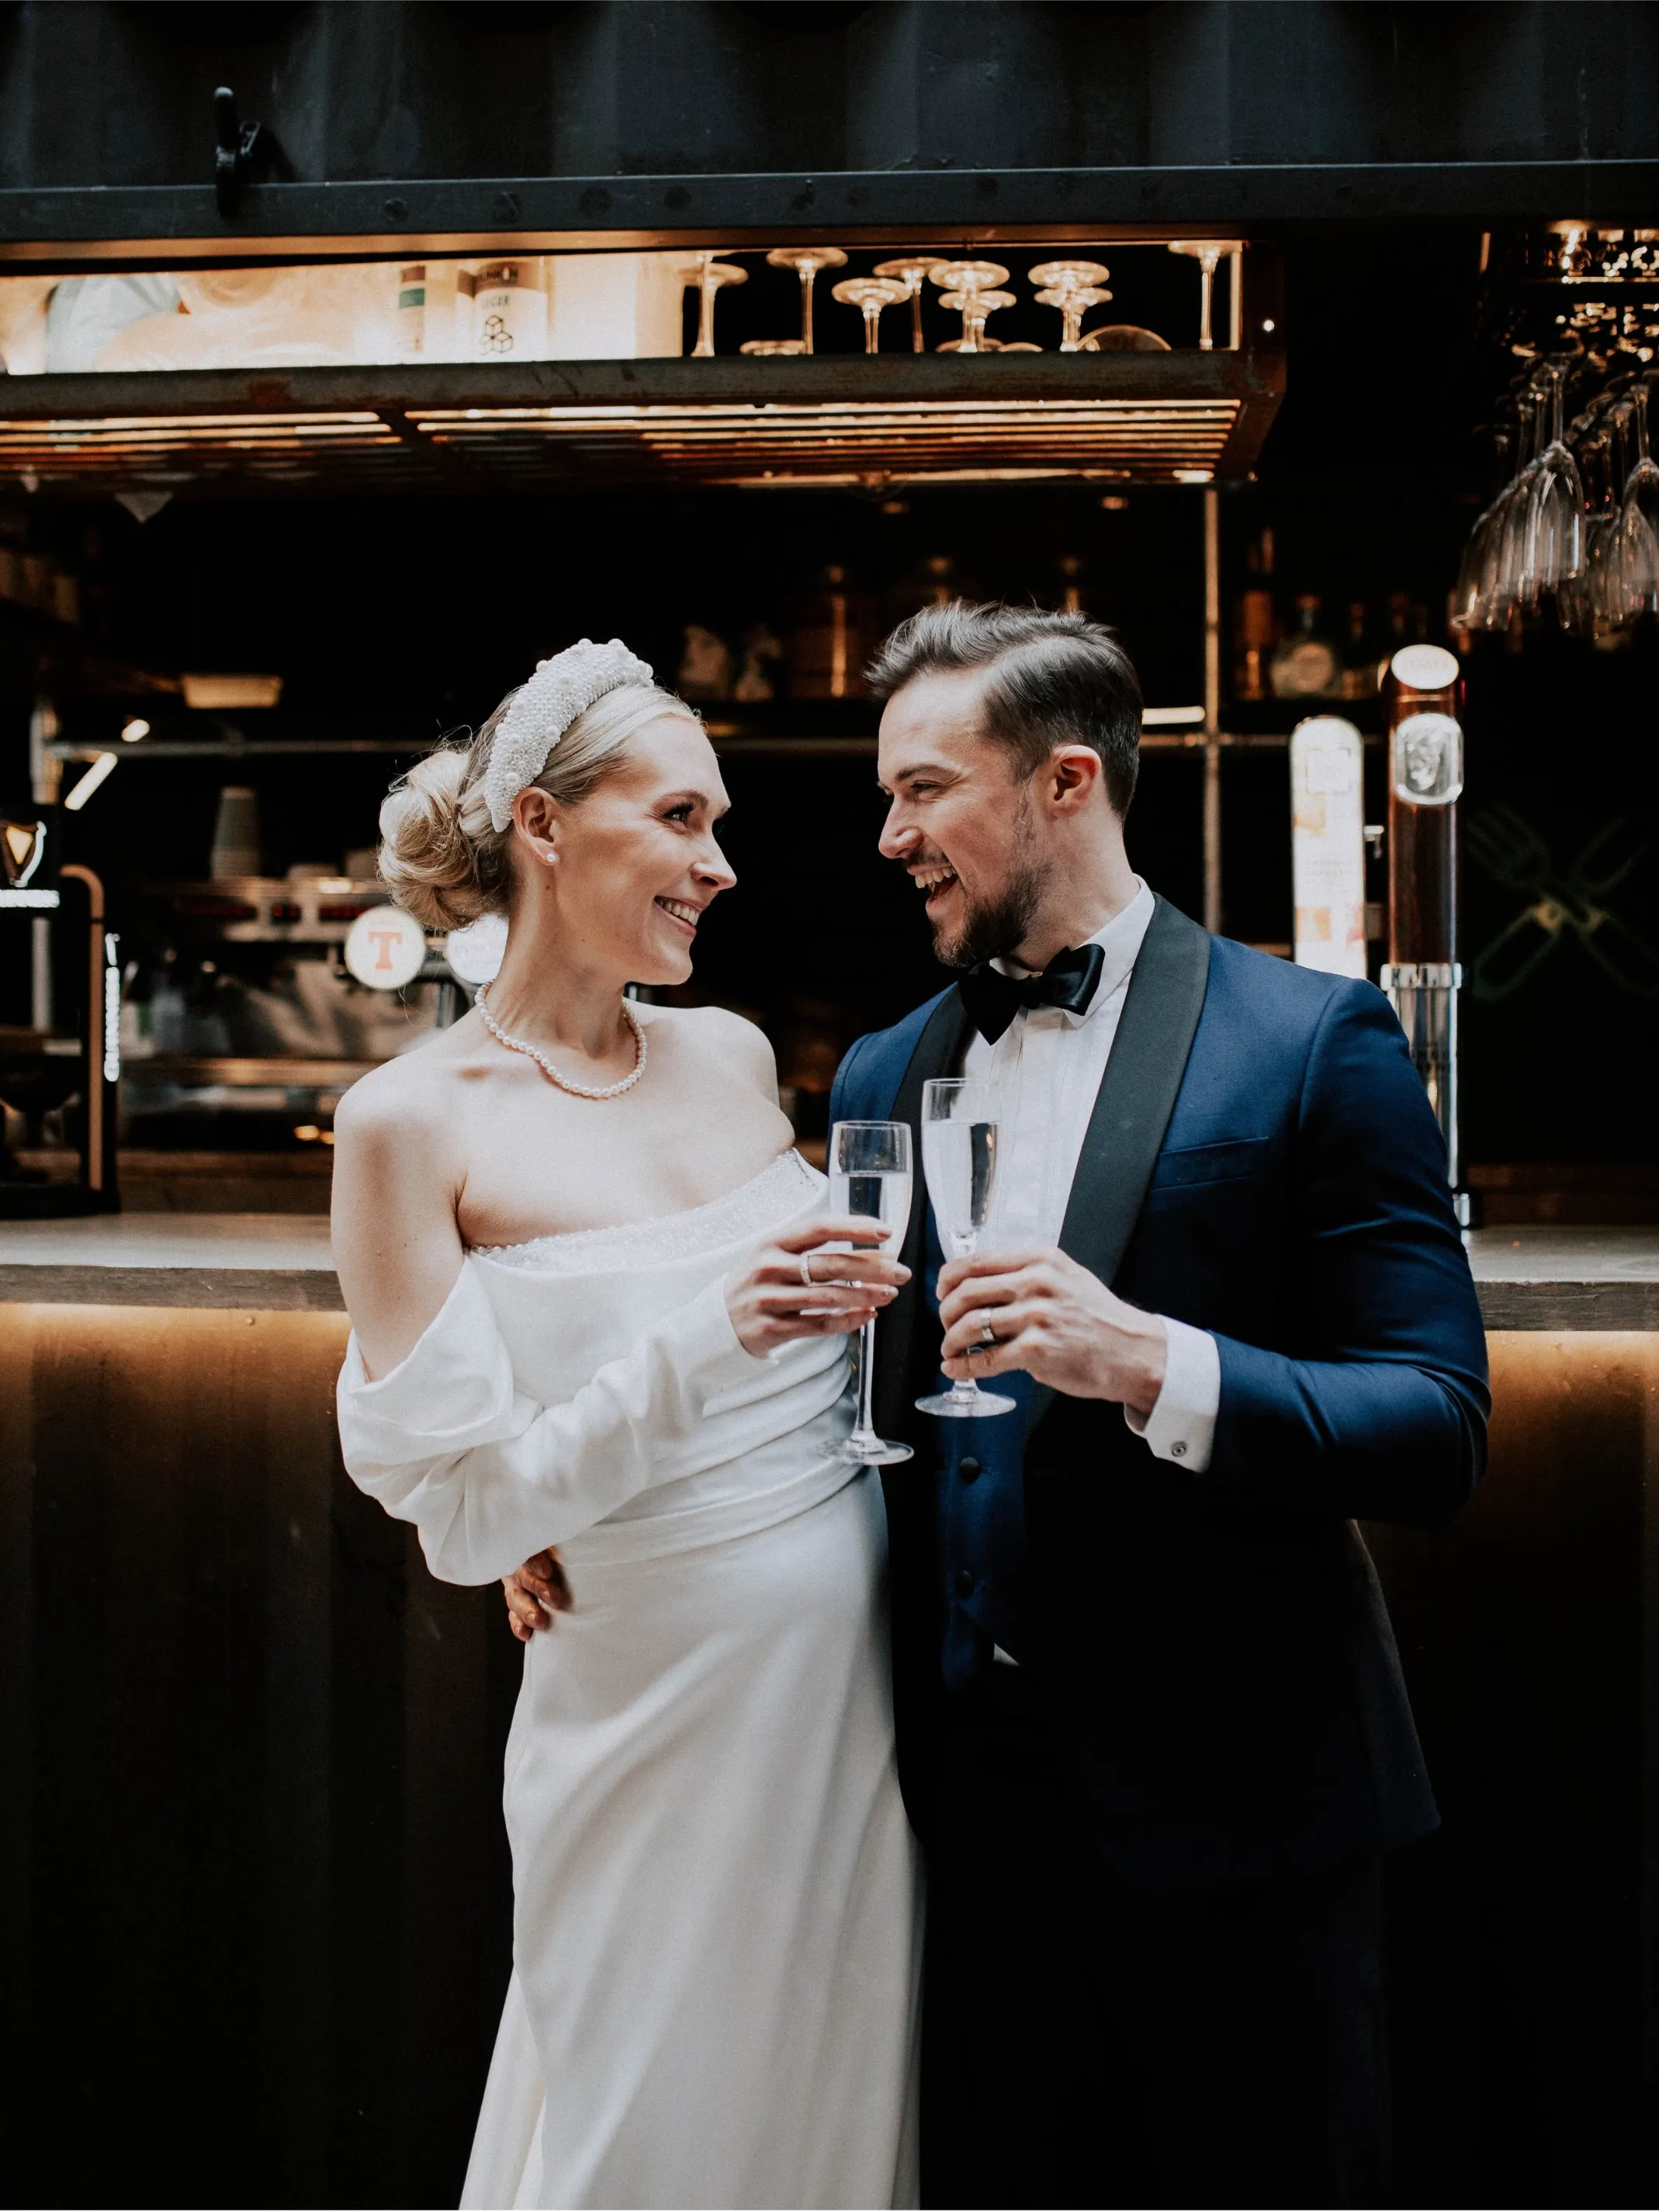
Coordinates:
(1153,1730)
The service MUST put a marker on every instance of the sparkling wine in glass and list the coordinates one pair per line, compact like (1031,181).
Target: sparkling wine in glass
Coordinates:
(960,1158)
(869,1166)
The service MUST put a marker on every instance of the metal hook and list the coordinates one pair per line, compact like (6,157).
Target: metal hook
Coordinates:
(235,144)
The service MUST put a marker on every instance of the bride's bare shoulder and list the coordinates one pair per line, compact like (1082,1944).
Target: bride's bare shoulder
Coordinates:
(409,1099)
(716,1035)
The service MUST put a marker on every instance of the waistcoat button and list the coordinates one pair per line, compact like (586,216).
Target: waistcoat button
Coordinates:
(969,1469)
(964,1581)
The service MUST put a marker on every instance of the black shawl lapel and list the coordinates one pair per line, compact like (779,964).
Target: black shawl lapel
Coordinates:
(1136,1098)
(939,1052)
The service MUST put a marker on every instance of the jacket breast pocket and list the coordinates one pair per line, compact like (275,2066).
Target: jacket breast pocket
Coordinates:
(1233,1160)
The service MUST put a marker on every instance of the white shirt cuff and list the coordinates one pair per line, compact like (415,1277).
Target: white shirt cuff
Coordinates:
(1182,1425)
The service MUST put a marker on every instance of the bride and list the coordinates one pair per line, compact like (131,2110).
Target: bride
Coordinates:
(592,1308)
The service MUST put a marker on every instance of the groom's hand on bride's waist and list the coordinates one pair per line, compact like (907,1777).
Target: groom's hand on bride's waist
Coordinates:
(1054,1320)
(534,1593)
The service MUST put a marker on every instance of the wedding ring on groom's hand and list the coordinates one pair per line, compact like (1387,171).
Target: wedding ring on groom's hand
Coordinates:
(987,1335)
(806,1271)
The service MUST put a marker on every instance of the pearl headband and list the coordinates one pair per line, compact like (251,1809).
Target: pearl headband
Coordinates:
(543,708)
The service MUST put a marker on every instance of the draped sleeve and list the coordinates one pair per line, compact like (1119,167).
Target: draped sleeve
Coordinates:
(487,1474)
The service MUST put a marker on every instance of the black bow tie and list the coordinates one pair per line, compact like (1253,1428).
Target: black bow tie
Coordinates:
(1070,982)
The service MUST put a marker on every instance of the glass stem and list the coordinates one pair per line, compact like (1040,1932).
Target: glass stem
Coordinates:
(967,1388)
(866,1427)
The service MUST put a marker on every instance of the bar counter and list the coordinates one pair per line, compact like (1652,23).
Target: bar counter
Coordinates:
(259,1748)
(1529,1277)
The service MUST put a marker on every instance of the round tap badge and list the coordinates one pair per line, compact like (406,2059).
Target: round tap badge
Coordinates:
(386,948)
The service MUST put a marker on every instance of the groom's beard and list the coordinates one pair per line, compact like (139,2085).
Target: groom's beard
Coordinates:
(996,927)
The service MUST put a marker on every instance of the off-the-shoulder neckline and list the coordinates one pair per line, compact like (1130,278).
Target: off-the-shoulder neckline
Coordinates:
(571,1242)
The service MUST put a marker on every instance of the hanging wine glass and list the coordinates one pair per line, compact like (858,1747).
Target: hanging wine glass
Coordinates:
(1507,543)
(710,275)
(912,269)
(1597,608)
(1074,286)
(870,295)
(1638,521)
(965,282)
(1555,504)
(974,308)
(1208,252)
(1469,609)
(806,261)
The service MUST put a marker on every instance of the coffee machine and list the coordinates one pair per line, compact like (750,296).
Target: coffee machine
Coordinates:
(72,1066)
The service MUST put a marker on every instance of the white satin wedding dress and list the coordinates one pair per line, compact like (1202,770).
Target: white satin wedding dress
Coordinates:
(716,1956)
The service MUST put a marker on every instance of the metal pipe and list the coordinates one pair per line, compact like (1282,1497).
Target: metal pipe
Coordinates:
(1212,710)
(96,1084)
(45,779)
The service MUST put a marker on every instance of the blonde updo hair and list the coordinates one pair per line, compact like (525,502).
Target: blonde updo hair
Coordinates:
(442,858)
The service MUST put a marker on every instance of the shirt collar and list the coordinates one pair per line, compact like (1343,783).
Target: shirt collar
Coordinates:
(1119,940)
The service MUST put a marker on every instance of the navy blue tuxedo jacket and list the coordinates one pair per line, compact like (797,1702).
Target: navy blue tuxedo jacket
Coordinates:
(1211,1651)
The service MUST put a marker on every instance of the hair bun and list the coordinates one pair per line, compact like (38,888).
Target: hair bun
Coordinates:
(428,856)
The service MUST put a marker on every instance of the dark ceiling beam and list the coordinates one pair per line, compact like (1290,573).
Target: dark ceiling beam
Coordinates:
(61,227)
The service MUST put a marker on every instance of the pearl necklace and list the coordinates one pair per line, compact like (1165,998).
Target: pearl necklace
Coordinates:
(576,1089)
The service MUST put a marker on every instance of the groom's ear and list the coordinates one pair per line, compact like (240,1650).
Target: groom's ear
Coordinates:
(1072,777)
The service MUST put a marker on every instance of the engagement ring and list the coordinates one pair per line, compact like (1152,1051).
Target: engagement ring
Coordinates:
(806,1271)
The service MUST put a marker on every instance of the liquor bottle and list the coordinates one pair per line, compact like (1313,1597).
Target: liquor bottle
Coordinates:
(1306,665)
(705,669)
(757,680)
(934,582)
(829,635)
(509,312)
(1358,661)
(1257,629)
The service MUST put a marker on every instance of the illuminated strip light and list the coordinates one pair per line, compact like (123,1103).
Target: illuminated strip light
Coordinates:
(37,901)
(95,774)
(1170,718)
(111,1010)
(914,439)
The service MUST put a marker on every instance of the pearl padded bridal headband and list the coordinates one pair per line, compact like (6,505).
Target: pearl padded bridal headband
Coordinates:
(543,708)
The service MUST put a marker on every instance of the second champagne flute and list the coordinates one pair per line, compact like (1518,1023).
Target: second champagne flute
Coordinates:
(960,1158)
(869,1166)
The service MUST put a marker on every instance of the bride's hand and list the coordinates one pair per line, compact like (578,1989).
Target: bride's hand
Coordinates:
(793,1288)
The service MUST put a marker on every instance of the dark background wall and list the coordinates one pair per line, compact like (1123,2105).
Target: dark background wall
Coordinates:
(1193,103)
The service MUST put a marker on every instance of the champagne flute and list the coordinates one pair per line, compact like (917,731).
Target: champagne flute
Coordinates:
(959,1158)
(869,1165)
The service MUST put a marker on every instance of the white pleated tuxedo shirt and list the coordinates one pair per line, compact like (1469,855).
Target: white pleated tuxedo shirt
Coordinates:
(1047,1067)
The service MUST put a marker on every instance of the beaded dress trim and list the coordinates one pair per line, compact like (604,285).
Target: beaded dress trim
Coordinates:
(746,1212)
